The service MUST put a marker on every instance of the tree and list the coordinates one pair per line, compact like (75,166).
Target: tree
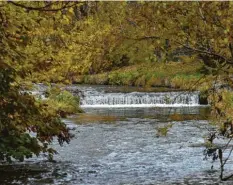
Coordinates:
(27,127)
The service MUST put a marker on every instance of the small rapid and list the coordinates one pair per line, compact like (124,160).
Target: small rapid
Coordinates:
(139,99)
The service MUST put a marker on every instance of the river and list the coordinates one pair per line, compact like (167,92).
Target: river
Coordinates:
(117,142)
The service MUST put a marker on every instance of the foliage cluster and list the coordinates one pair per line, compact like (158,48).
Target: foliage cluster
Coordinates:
(27,127)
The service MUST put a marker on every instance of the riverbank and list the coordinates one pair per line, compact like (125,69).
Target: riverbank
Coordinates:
(180,75)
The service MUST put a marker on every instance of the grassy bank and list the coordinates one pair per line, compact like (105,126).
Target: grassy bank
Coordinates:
(174,74)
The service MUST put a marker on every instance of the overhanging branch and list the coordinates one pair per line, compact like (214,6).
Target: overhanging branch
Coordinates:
(206,52)
(46,7)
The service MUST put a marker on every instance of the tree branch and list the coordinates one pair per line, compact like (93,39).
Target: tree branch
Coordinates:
(46,7)
(201,13)
(142,38)
(205,52)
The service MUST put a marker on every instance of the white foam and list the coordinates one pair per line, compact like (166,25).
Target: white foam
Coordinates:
(138,99)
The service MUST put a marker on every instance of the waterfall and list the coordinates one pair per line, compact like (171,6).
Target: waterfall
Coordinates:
(140,99)
(108,96)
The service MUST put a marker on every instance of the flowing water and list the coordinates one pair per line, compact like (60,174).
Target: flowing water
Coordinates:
(117,142)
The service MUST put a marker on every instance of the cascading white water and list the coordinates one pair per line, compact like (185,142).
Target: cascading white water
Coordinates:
(139,99)
(97,97)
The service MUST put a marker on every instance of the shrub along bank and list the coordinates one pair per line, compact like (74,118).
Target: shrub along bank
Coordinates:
(61,102)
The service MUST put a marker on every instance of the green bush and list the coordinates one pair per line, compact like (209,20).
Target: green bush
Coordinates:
(62,102)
